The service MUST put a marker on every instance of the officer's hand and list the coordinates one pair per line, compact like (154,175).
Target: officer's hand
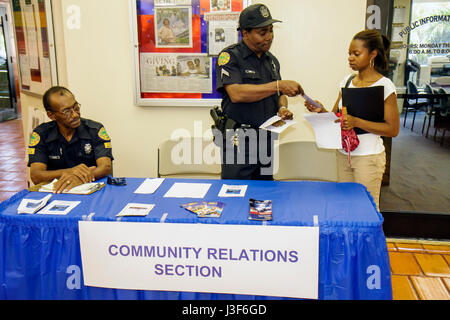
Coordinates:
(66,182)
(290,88)
(83,173)
(285,114)
(313,108)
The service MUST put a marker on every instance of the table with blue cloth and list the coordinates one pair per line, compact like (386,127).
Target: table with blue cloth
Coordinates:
(40,254)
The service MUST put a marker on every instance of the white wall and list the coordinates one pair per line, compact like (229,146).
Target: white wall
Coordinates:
(96,63)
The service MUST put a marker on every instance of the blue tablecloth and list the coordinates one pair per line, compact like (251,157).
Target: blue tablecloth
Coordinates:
(40,254)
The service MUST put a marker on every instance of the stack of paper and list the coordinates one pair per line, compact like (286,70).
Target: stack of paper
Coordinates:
(31,206)
(328,133)
(86,188)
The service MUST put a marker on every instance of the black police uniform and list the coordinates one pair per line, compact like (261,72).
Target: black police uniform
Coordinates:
(89,143)
(237,64)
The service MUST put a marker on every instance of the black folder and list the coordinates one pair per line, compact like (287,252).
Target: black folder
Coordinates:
(365,103)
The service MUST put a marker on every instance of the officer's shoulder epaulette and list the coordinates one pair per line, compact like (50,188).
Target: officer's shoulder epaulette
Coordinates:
(92,124)
(44,127)
(230,47)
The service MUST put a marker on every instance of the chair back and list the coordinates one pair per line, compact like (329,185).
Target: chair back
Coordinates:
(444,105)
(411,87)
(303,160)
(189,158)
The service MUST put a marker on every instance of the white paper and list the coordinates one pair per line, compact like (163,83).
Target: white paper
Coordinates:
(31,206)
(136,210)
(149,186)
(233,190)
(188,190)
(328,133)
(268,124)
(59,207)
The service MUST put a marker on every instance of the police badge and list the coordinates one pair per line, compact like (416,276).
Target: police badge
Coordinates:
(264,11)
(87,148)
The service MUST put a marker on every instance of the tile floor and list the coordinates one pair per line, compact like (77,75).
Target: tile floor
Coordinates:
(420,269)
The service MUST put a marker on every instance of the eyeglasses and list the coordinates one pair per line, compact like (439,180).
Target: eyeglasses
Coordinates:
(68,112)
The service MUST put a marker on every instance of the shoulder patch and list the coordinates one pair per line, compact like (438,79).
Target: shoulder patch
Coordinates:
(103,134)
(223,59)
(34,139)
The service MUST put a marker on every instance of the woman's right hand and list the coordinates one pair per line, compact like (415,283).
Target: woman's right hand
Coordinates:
(312,108)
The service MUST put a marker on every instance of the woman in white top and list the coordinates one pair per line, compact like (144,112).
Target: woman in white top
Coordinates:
(367,56)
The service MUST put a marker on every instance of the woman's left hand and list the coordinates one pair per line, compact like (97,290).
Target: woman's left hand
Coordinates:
(348,123)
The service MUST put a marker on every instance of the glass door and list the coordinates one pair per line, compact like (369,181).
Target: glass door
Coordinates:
(8,101)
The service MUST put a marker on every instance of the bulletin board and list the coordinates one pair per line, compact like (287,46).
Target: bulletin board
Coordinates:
(175,48)
(35,45)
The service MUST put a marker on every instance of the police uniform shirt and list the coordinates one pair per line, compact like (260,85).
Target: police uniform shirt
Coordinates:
(237,64)
(89,143)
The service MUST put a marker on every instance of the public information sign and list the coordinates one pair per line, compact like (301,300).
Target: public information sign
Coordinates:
(236,259)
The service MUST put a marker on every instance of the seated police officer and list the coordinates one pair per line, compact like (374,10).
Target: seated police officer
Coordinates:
(71,149)
(248,77)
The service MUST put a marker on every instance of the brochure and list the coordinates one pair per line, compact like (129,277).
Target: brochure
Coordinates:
(31,206)
(205,209)
(59,207)
(276,124)
(233,190)
(260,210)
(136,210)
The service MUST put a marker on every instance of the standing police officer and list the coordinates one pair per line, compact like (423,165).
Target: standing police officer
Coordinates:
(248,76)
(69,148)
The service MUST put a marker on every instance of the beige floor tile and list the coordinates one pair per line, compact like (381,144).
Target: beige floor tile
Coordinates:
(430,288)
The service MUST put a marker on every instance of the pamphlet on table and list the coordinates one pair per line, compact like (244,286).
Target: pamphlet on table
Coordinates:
(233,190)
(205,209)
(31,206)
(135,210)
(260,210)
(59,207)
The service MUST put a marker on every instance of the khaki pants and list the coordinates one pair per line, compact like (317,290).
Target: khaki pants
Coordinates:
(367,170)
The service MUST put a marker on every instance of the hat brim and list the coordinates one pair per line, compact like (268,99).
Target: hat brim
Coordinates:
(261,25)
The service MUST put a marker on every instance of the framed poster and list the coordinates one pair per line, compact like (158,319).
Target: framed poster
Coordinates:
(35,45)
(175,48)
